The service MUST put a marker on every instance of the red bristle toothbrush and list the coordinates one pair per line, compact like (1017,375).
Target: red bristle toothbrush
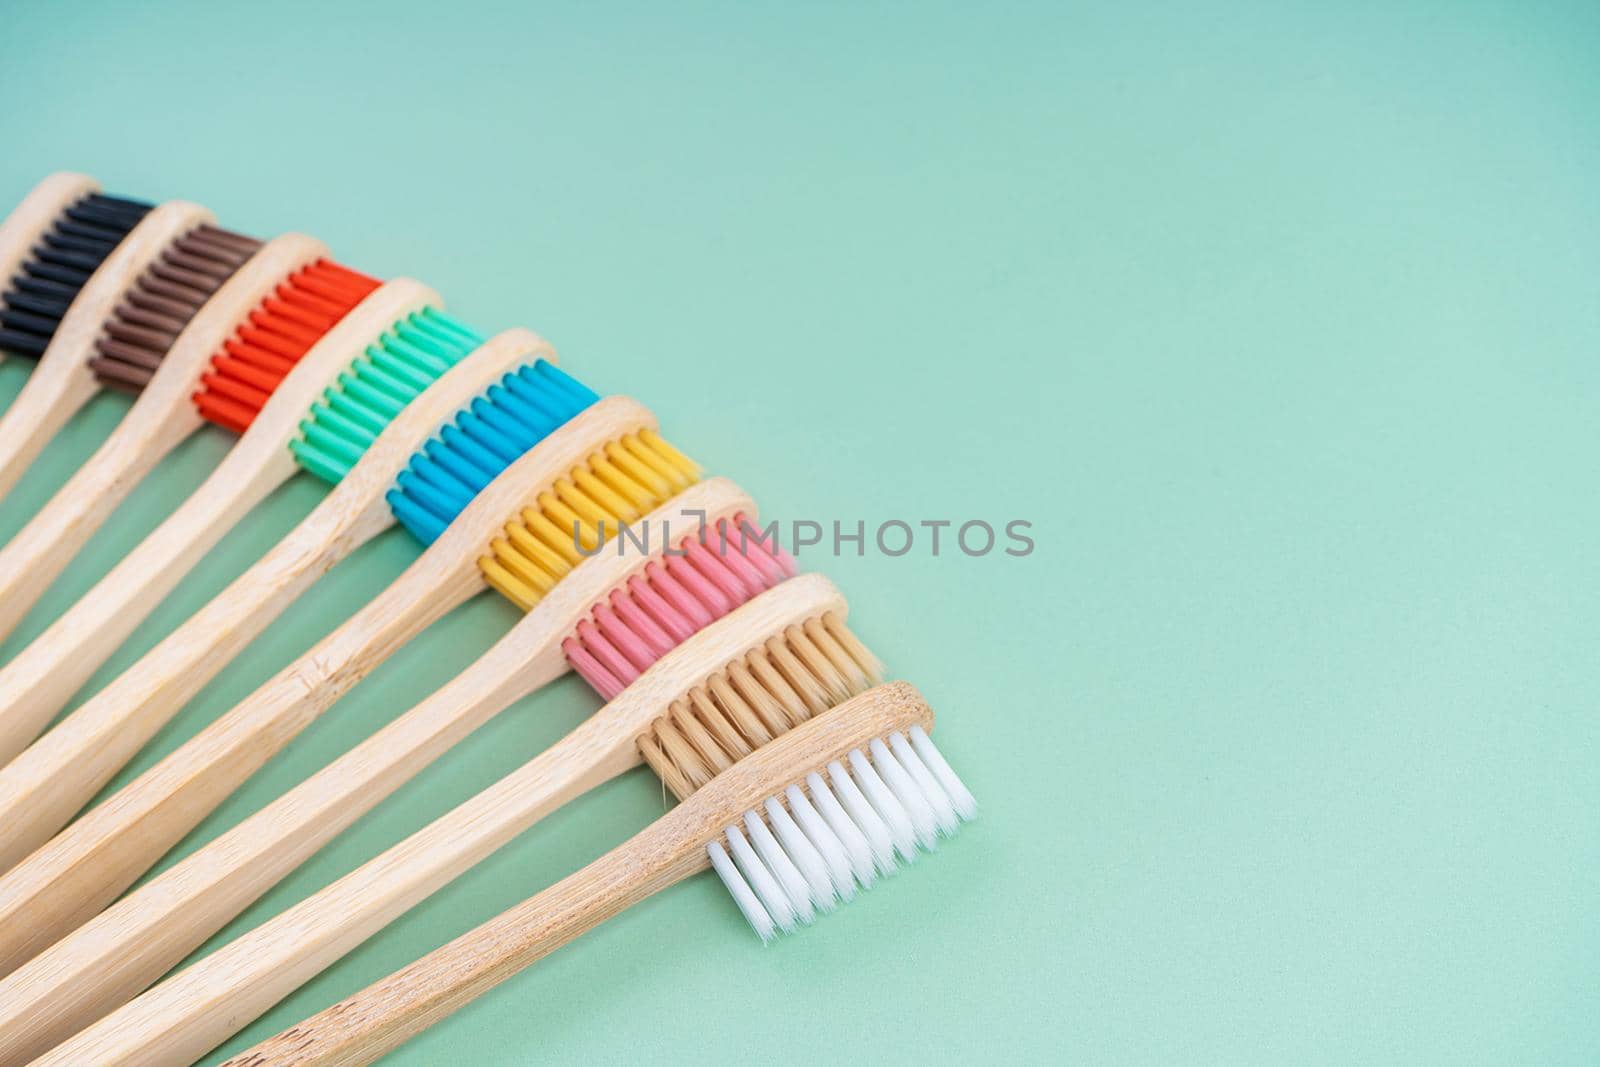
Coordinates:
(398,392)
(606,462)
(633,608)
(782,659)
(819,804)
(263,317)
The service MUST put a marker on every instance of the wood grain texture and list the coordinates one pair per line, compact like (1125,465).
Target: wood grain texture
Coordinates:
(29,220)
(43,676)
(190,1013)
(86,866)
(49,782)
(109,959)
(160,418)
(48,399)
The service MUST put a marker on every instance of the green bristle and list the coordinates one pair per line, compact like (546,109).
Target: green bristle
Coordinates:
(352,412)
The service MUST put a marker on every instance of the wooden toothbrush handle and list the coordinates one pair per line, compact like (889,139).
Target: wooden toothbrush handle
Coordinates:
(51,780)
(43,406)
(88,864)
(45,675)
(111,958)
(200,1007)
(39,551)
(394,1009)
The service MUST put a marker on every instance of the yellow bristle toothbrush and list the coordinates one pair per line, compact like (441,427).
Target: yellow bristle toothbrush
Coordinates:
(68,255)
(238,342)
(779,661)
(815,800)
(627,607)
(607,461)
(359,437)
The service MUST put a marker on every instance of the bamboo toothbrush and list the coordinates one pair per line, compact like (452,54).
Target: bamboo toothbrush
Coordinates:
(45,674)
(744,679)
(819,802)
(112,957)
(21,232)
(85,867)
(291,315)
(789,855)
(71,254)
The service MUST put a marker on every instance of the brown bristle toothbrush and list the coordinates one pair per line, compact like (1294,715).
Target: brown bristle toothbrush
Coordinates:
(607,462)
(625,606)
(399,390)
(238,315)
(67,255)
(828,791)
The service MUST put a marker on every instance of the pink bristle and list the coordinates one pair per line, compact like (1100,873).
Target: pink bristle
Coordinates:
(670,601)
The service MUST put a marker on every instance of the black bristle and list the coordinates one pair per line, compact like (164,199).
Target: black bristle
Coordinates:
(83,235)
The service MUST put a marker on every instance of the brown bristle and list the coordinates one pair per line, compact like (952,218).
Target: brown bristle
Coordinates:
(770,690)
(169,293)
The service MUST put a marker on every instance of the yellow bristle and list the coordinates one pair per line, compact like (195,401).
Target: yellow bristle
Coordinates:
(620,483)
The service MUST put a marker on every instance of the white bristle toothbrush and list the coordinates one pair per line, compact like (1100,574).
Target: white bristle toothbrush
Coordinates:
(666,596)
(605,460)
(400,369)
(792,827)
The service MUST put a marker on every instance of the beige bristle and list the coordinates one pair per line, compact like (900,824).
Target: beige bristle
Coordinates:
(790,679)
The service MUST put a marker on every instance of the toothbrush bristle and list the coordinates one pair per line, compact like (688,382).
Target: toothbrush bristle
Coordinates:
(68,253)
(393,371)
(806,864)
(273,338)
(487,436)
(169,293)
(712,572)
(791,678)
(617,485)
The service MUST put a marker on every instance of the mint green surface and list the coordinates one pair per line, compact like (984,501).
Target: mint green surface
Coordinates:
(1277,321)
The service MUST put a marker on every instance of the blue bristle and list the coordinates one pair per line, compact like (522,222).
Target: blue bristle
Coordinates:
(514,414)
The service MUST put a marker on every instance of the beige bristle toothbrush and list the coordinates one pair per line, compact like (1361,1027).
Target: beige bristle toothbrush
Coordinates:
(68,256)
(779,661)
(698,567)
(825,791)
(605,461)
(239,341)
(359,437)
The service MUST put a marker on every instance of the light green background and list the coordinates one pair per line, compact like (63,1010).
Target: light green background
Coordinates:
(1279,322)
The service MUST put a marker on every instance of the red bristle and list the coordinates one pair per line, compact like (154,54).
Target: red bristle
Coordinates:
(633,627)
(274,337)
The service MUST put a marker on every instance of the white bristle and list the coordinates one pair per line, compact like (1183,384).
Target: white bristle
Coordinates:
(943,810)
(766,887)
(804,853)
(886,804)
(908,793)
(827,843)
(966,804)
(866,817)
(754,913)
(779,863)
(846,832)
(856,845)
